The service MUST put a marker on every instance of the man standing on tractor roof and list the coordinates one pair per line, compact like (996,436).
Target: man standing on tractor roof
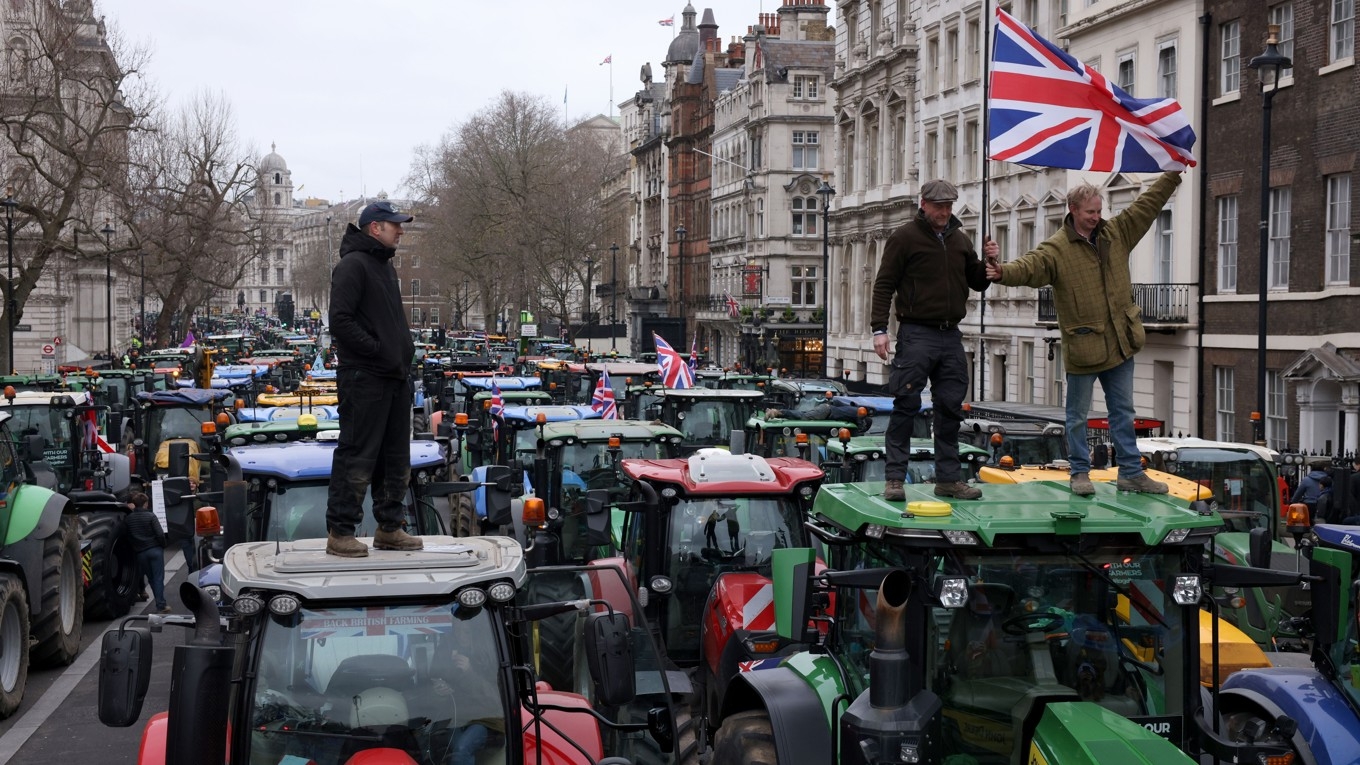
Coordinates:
(373,341)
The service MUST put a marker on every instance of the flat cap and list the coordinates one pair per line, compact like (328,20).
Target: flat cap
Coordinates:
(939,191)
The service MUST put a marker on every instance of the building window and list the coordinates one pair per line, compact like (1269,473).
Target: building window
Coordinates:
(971,143)
(264,296)
(951,61)
(278,199)
(415,315)
(1339,229)
(1165,251)
(805,216)
(264,276)
(973,38)
(1125,71)
(899,147)
(1277,422)
(434,315)
(1166,70)
(415,287)
(804,150)
(278,178)
(1227,245)
(951,152)
(1223,406)
(1230,65)
(1343,30)
(805,284)
(804,86)
(760,217)
(1028,381)
(871,146)
(931,65)
(278,276)
(1283,14)
(928,154)
(1279,238)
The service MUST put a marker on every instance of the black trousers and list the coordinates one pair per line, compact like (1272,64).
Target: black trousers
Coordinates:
(374,449)
(927,354)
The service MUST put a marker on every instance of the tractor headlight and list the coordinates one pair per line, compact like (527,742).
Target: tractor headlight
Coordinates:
(471,597)
(951,591)
(1187,589)
(501,592)
(283,605)
(249,604)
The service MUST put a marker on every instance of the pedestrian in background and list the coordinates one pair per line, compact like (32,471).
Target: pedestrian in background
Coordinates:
(373,341)
(1311,486)
(1087,264)
(148,542)
(928,267)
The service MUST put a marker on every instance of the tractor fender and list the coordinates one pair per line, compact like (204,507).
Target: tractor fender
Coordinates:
(739,601)
(562,731)
(33,512)
(154,736)
(1328,733)
(613,589)
(799,720)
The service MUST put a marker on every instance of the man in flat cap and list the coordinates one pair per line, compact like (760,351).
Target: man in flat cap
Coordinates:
(1087,264)
(928,267)
(373,341)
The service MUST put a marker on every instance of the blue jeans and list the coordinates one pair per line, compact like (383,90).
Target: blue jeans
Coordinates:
(466,742)
(1117,382)
(151,563)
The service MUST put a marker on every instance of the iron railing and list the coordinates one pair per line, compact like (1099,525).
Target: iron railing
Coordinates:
(1164,304)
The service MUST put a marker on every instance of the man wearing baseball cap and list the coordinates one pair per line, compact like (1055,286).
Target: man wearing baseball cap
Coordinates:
(928,267)
(373,342)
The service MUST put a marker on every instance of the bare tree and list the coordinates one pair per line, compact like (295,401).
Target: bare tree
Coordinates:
(71,97)
(191,186)
(513,201)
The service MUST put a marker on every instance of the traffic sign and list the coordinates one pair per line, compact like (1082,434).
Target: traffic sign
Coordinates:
(23,327)
(528,330)
(56,340)
(49,349)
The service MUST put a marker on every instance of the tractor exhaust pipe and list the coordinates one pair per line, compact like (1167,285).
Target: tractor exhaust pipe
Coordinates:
(888,662)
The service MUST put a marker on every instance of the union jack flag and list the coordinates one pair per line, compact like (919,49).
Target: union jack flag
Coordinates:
(497,408)
(375,621)
(758,664)
(675,373)
(1048,109)
(602,400)
(667,22)
(733,308)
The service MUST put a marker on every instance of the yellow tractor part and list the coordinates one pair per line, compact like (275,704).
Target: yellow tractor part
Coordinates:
(295,399)
(1235,650)
(1177,486)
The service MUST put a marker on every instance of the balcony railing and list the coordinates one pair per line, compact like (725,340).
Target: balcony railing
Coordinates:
(1162,304)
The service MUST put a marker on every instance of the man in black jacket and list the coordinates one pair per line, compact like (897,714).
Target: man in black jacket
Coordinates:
(373,341)
(928,267)
(147,537)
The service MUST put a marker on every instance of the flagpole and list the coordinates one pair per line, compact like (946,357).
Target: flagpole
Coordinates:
(611,86)
(986,195)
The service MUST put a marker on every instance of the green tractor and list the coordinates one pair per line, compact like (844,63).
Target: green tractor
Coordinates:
(863,459)
(709,417)
(1031,626)
(41,594)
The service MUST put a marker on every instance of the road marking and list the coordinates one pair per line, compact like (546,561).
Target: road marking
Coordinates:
(32,719)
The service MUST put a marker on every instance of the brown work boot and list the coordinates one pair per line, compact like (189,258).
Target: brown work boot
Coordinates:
(1081,485)
(345,546)
(893,491)
(396,539)
(957,490)
(1143,483)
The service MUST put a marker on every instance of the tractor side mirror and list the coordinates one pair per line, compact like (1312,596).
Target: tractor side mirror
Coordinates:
(1258,552)
(609,649)
(124,675)
(498,496)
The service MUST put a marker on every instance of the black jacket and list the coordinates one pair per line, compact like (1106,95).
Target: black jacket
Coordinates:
(368,320)
(928,275)
(143,530)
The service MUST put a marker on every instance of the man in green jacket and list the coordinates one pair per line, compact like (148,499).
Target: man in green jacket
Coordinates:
(1087,265)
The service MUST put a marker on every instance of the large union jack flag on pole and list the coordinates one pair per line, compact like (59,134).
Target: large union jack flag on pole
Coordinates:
(602,400)
(675,373)
(1048,109)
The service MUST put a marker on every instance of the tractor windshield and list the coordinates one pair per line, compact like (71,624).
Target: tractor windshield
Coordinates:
(298,511)
(591,462)
(1099,628)
(1243,484)
(419,678)
(47,422)
(711,423)
(169,422)
(710,536)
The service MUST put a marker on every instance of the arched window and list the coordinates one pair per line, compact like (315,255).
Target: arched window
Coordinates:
(278,178)
(805,216)
(278,198)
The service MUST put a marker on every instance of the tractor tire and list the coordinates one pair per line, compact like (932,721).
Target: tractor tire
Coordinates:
(420,423)
(61,615)
(114,580)
(644,751)
(557,640)
(463,520)
(13,644)
(745,738)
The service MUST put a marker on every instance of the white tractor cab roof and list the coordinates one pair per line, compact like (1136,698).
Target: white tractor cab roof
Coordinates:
(444,566)
(1150,446)
(48,398)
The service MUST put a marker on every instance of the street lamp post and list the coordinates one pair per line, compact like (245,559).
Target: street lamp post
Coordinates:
(1267,66)
(141,323)
(585,313)
(826,192)
(680,260)
(107,231)
(11,306)
(613,294)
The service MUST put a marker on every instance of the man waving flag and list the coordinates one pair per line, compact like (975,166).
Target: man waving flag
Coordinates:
(1048,109)
(675,373)
(497,408)
(602,400)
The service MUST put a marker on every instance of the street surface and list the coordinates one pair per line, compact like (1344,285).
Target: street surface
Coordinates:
(59,719)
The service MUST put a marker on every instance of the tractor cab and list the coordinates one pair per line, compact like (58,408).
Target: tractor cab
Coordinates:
(1024,442)
(707,416)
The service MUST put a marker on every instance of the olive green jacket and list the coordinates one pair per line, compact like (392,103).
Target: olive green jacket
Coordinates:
(1101,325)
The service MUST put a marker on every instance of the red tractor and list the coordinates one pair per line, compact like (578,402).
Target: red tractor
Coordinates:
(698,537)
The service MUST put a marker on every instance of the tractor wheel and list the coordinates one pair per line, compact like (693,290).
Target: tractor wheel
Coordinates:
(114,580)
(420,423)
(557,640)
(644,751)
(13,643)
(61,614)
(745,738)
(464,520)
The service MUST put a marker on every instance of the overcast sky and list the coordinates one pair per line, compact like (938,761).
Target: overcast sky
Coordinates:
(348,89)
